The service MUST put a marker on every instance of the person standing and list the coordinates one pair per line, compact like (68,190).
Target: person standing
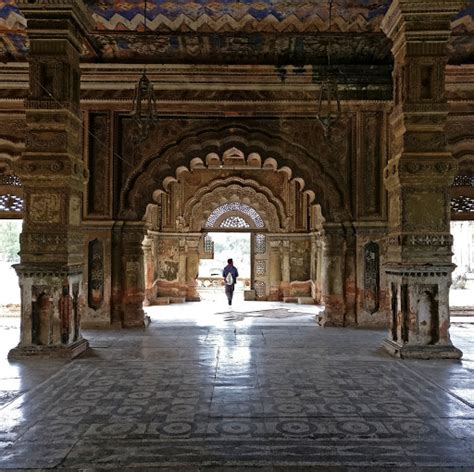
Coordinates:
(230,274)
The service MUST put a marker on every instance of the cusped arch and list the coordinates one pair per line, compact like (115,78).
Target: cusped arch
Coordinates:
(275,151)
(242,183)
(198,213)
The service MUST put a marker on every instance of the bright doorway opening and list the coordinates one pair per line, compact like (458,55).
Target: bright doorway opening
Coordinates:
(10,296)
(227,245)
(461,297)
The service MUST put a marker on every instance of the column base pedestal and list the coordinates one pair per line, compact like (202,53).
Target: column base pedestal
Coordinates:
(59,352)
(327,320)
(421,352)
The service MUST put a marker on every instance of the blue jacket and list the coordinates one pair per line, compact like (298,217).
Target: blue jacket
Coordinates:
(233,270)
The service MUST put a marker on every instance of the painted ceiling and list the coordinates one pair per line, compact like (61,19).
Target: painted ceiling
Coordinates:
(231,31)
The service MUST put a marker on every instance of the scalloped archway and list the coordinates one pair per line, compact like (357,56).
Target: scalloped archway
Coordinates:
(203,148)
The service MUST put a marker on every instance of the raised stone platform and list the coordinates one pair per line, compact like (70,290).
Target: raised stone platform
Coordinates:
(59,351)
(421,352)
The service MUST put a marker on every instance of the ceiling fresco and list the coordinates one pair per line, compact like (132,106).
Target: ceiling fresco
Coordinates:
(233,31)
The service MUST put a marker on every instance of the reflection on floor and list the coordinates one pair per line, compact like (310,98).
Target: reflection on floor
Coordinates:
(204,387)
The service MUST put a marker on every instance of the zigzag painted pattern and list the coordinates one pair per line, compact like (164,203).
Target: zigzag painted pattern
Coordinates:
(465,24)
(14,21)
(227,23)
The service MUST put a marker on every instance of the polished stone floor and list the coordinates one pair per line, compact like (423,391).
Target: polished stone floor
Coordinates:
(261,387)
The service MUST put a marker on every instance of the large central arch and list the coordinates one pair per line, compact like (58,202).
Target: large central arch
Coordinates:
(157,166)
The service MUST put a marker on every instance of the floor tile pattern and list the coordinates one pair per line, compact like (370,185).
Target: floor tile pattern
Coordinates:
(263,394)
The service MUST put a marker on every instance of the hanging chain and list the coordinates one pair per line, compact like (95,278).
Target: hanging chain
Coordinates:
(329,48)
(144,100)
(329,93)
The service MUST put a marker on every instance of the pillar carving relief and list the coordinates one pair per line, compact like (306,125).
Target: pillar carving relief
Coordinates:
(275,270)
(150,275)
(417,179)
(192,267)
(53,176)
(131,281)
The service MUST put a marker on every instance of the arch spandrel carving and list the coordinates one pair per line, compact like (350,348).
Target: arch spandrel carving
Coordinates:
(207,144)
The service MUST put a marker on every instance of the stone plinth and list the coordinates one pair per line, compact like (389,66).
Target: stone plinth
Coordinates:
(59,351)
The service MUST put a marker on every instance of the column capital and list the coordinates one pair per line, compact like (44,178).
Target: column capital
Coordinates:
(424,23)
(41,14)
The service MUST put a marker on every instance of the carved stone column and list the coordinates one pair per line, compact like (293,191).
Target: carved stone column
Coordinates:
(275,264)
(150,294)
(350,277)
(192,268)
(333,269)
(132,275)
(53,176)
(417,178)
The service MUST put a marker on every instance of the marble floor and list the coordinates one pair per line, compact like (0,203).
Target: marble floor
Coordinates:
(261,387)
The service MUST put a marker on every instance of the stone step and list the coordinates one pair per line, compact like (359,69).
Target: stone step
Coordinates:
(290,300)
(305,301)
(177,299)
(162,301)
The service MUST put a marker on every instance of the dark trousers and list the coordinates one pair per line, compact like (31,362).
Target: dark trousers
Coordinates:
(229,291)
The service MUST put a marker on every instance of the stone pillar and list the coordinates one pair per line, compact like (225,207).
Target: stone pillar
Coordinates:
(417,178)
(192,268)
(285,262)
(150,290)
(53,176)
(275,263)
(350,277)
(319,270)
(332,283)
(133,275)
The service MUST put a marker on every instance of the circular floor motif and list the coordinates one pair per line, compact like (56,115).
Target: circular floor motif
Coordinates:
(288,408)
(235,427)
(356,427)
(129,410)
(296,428)
(177,428)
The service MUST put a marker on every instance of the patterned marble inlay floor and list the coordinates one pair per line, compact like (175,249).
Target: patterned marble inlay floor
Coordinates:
(262,394)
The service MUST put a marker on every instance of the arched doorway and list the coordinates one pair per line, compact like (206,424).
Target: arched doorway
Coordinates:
(231,193)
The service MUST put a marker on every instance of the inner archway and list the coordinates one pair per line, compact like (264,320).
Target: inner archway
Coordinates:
(233,193)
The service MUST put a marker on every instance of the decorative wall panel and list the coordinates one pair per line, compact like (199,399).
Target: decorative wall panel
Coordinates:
(98,197)
(370,166)
(299,260)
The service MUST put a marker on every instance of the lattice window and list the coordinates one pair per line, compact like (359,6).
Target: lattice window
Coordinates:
(235,222)
(208,244)
(11,203)
(260,268)
(10,180)
(462,205)
(235,207)
(464,181)
(260,289)
(260,244)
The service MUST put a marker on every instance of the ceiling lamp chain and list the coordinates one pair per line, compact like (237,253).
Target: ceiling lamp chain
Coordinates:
(329,105)
(144,100)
